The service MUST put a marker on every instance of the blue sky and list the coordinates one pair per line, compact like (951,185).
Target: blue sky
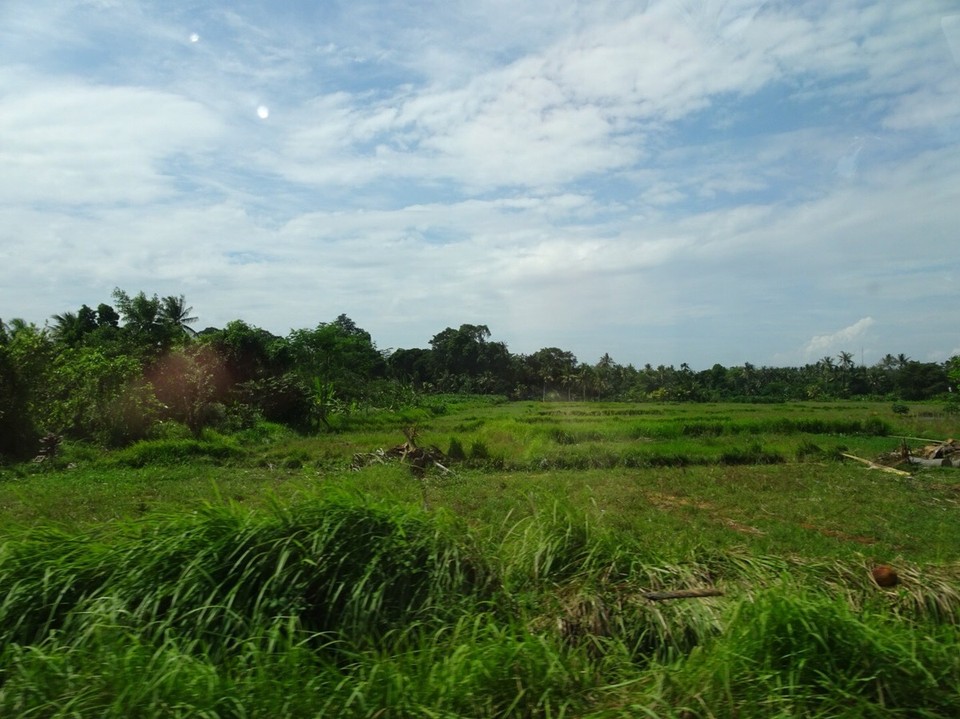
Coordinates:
(694,181)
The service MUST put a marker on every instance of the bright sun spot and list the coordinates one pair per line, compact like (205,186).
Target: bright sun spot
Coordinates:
(263,112)
(194,37)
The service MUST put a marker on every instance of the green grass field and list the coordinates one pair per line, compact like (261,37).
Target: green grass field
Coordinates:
(258,575)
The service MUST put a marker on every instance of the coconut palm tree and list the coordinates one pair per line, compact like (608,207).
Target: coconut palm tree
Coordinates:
(153,323)
(845,360)
(173,311)
(66,327)
(70,327)
(17,324)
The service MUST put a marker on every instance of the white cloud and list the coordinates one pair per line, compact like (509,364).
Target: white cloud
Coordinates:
(712,181)
(840,340)
(74,144)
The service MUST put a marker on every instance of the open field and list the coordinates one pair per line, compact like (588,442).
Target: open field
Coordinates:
(257,575)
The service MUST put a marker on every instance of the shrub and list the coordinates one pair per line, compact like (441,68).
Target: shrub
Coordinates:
(178,451)
(754,454)
(456,451)
(479,451)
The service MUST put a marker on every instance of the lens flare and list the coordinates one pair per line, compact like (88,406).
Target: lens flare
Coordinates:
(263,112)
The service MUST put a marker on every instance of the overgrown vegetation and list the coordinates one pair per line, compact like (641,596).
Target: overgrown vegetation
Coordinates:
(254,573)
(346,607)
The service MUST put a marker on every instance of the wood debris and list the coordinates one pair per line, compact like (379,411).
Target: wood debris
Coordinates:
(939,454)
(419,459)
(874,465)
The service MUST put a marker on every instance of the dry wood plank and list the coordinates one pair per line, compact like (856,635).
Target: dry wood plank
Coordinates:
(874,465)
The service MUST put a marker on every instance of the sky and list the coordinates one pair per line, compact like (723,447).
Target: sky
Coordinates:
(699,181)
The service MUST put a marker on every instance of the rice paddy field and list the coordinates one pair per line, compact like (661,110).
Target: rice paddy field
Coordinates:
(551,560)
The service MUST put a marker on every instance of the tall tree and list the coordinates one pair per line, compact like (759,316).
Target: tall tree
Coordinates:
(845,366)
(248,352)
(550,365)
(152,324)
(75,328)
(174,312)
(338,355)
(26,355)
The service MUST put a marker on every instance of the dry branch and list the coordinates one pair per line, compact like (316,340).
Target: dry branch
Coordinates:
(874,465)
(418,459)
(682,594)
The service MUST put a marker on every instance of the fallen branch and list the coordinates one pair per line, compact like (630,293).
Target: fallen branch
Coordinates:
(874,465)
(682,594)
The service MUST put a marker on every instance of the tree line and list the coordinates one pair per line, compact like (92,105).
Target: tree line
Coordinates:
(116,373)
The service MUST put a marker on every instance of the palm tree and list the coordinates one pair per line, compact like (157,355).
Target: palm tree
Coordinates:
(17,324)
(66,327)
(845,365)
(173,311)
(70,327)
(568,377)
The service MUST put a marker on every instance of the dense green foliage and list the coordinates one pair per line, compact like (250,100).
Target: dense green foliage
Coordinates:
(115,376)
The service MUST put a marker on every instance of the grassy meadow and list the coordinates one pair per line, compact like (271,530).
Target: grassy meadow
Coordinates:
(261,575)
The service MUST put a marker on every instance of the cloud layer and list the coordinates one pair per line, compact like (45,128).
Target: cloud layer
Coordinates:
(706,181)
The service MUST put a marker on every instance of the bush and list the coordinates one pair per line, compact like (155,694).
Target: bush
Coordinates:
(809,450)
(455,451)
(952,406)
(170,429)
(479,451)
(178,451)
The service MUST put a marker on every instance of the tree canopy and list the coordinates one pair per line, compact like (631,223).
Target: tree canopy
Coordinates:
(115,373)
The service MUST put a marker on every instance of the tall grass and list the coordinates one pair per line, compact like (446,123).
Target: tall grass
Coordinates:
(349,607)
(535,602)
(344,566)
(786,652)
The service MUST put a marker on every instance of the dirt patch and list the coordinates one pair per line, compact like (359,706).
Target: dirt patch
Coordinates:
(671,501)
(837,534)
(743,528)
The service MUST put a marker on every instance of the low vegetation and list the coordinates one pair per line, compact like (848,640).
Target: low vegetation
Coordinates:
(525,574)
